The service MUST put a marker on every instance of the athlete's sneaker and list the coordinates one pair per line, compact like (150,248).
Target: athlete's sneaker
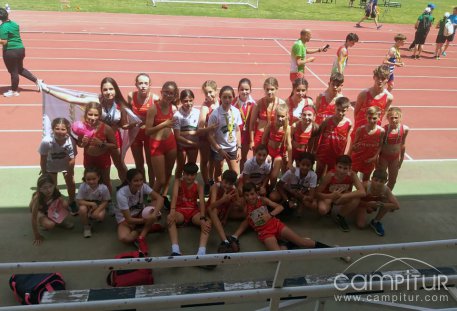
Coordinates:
(377,227)
(206,189)
(141,244)
(444,54)
(234,244)
(74,210)
(11,93)
(358,25)
(87,232)
(379,27)
(341,222)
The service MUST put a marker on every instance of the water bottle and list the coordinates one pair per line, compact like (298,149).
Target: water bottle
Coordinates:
(7,8)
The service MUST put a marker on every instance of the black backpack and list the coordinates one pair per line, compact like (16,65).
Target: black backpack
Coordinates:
(29,288)
(425,23)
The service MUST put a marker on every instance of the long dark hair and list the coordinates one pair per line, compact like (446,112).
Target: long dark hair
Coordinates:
(118,98)
(46,178)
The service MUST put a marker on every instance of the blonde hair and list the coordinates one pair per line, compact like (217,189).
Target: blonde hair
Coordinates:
(209,83)
(373,110)
(283,108)
(271,81)
(393,110)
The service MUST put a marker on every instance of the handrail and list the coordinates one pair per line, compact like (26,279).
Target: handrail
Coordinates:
(220,259)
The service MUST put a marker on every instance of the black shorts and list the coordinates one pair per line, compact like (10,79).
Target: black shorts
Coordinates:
(441,39)
(451,37)
(373,13)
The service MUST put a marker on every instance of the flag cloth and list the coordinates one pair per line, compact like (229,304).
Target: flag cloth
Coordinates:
(56,108)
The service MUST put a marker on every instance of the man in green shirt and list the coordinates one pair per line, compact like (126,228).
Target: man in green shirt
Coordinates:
(13,53)
(298,55)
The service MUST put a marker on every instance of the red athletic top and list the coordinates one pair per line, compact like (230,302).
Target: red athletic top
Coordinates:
(141,109)
(245,111)
(333,139)
(100,132)
(367,145)
(187,197)
(300,136)
(361,119)
(393,139)
(160,117)
(265,113)
(294,115)
(276,134)
(335,185)
(254,214)
(325,109)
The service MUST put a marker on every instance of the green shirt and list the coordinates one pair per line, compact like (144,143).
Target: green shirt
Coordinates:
(298,50)
(9,30)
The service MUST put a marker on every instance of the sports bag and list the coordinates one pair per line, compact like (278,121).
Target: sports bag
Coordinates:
(133,277)
(28,289)
(448,28)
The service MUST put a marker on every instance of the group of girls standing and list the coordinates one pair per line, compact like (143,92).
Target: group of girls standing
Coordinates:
(172,131)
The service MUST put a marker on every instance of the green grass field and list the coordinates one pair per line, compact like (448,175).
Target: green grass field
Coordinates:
(270,9)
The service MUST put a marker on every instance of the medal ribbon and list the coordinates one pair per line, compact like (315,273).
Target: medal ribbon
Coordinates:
(230,125)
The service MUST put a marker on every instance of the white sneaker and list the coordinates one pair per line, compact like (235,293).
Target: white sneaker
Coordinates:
(11,93)
(87,233)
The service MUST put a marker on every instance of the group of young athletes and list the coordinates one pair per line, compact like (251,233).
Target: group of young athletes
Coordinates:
(286,137)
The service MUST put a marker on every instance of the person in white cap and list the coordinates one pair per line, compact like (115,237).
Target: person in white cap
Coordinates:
(453,19)
(446,30)
(423,24)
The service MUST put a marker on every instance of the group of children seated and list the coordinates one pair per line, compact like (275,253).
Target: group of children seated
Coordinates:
(286,138)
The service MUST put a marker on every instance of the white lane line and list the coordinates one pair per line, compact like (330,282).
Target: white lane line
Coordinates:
(20,131)
(435,129)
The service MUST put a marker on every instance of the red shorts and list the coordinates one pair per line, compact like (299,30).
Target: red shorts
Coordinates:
(102,161)
(362,167)
(117,134)
(390,157)
(276,152)
(257,138)
(188,213)
(161,147)
(141,139)
(295,75)
(272,228)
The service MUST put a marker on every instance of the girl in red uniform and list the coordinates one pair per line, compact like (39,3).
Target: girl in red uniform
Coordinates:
(188,206)
(303,133)
(393,147)
(244,102)
(98,143)
(269,228)
(162,142)
(377,95)
(263,112)
(277,138)
(333,137)
(298,100)
(379,198)
(367,144)
(325,102)
(335,191)
(140,101)
(211,102)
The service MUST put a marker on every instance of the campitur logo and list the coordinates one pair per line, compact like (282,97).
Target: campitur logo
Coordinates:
(372,286)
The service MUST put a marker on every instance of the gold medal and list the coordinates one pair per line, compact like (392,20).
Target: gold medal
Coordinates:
(230,138)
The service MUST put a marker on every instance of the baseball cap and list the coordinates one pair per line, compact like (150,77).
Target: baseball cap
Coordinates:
(431,6)
(447,14)
(427,10)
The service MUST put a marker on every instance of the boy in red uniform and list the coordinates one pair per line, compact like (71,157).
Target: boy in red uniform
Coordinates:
(334,135)
(224,202)
(377,95)
(325,102)
(186,199)
(379,198)
(335,192)
(366,146)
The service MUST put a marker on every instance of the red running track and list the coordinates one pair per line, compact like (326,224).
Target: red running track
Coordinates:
(76,50)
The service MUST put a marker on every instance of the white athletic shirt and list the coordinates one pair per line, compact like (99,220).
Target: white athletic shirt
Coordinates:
(58,156)
(255,171)
(299,182)
(127,200)
(186,122)
(222,134)
(101,193)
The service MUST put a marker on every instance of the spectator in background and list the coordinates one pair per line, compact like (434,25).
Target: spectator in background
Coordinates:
(443,34)
(453,19)
(371,10)
(298,55)
(432,7)
(13,53)
(423,24)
